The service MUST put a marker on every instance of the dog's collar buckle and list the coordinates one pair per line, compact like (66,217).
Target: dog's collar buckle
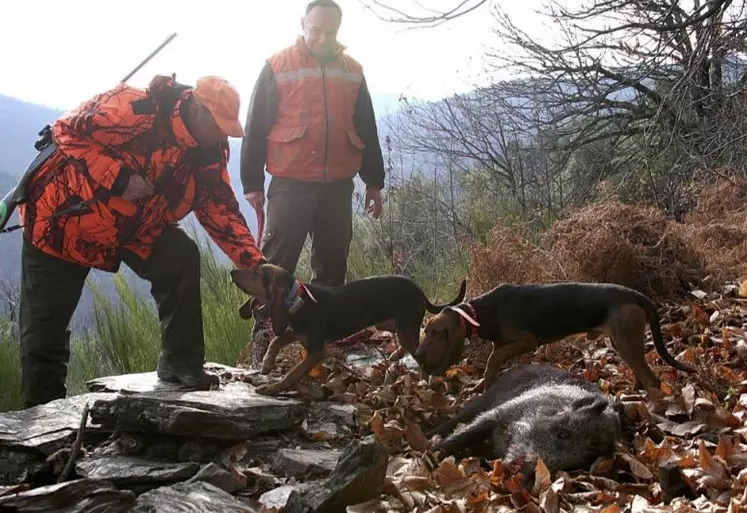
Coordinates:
(294,300)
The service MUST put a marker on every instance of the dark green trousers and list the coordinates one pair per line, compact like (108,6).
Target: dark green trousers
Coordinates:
(296,209)
(50,292)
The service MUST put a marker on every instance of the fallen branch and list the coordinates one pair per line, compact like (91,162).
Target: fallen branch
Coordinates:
(65,474)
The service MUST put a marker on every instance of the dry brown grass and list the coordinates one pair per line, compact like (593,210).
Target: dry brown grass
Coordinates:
(507,256)
(717,229)
(611,242)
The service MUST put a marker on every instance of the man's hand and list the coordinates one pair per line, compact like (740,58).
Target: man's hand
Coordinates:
(256,199)
(138,188)
(373,202)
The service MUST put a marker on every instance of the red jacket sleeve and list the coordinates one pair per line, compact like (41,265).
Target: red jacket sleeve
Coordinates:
(93,130)
(218,212)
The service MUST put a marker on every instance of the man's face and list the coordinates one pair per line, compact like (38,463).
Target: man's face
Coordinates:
(203,127)
(320,28)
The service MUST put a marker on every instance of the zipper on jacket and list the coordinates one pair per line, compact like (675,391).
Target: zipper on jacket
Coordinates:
(326,123)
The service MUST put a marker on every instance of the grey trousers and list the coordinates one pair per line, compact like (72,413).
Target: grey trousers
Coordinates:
(296,209)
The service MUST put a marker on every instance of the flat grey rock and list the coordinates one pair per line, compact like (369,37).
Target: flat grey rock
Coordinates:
(223,479)
(194,497)
(28,436)
(335,412)
(79,496)
(128,471)
(148,381)
(46,426)
(277,498)
(358,477)
(305,462)
(234,412)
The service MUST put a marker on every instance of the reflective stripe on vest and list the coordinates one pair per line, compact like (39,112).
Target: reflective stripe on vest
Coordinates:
(291,76)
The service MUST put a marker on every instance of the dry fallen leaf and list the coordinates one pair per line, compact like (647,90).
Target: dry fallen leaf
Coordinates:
(638,469)
(415,437)
(377,426)
(542,477)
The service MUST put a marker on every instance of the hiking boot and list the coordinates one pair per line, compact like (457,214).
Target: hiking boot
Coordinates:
(262,335)
(193,377)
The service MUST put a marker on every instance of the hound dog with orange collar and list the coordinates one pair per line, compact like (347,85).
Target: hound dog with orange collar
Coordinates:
(520,318)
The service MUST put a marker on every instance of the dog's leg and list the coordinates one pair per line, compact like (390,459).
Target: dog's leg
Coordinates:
(501,354)
(277,343)
(389,325)
(295,375)
(408,339)
(398,354)
(627,327)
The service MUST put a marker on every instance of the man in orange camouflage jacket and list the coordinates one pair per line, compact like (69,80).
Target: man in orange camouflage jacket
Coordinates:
(130,164)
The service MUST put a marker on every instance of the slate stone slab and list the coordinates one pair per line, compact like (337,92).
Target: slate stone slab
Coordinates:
(46,427)
(223,479)
(234,412)
(28,436)
(79,496)
(358,477)
(277,498)
(128,471)
(194,497)
(17,465)
(338,413)
(305,462)
(148,381)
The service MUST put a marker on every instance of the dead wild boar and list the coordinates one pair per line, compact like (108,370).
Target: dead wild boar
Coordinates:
(537,410)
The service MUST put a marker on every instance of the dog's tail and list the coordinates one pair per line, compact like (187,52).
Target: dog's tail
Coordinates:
(434,309)
(654,322)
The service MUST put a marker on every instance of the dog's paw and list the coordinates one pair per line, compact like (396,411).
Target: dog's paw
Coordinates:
(269,389)
(267,367)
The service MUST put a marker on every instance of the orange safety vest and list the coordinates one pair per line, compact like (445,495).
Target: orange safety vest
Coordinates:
(314,138)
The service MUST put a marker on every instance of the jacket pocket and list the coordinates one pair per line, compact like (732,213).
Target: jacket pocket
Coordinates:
(286,134)
(354,139)
(286,150)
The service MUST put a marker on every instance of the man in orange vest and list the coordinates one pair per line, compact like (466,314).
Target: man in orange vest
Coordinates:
(130,164)
(311,124)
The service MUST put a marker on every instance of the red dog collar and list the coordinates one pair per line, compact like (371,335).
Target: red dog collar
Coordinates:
(471,324)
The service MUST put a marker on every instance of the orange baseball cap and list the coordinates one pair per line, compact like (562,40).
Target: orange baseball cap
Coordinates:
(222,100)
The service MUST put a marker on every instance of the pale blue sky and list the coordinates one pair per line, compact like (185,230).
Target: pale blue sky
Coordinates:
(60,53)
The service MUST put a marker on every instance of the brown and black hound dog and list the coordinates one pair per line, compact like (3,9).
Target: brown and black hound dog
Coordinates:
(520,318)
(315,314)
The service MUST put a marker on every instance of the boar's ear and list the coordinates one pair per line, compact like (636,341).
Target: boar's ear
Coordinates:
(591,405)
(583,402)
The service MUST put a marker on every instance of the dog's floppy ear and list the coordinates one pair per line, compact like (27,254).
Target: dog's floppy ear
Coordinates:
(278,313)
(278,285)
(454,334)
(245,310)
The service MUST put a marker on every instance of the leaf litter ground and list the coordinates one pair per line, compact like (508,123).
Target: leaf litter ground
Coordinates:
(683,447)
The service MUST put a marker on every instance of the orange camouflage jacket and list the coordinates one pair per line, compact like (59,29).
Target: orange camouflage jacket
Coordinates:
(104,141)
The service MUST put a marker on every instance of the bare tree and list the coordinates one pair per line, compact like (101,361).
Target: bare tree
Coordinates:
(495,141)
(428,17)
(668,76)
